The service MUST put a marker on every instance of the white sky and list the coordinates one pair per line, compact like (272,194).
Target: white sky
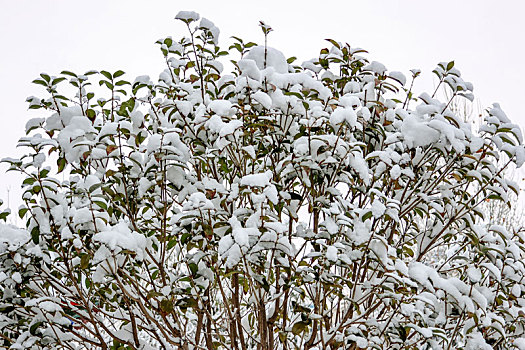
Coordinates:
(485,38)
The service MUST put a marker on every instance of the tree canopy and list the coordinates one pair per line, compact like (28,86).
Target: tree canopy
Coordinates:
(274,205)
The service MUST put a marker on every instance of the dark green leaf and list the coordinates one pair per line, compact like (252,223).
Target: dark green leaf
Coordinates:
(84,261)
(34,327)
(118,74)
(166,305)
(299,327)
(40,82)
(61,162)
(22,212)
(106,74)
(366,216)
(65,72)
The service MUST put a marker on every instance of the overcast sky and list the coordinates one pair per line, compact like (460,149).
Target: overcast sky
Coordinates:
(485,38)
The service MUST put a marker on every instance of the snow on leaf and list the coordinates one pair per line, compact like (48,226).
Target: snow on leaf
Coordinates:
(257,180)
(274,58)
(187,16)
(221,107)
(120,237)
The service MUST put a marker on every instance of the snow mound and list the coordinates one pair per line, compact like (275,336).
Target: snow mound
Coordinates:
(121,237)
(11,238)
(274,58)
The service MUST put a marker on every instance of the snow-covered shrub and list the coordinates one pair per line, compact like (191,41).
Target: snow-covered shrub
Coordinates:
(279,206)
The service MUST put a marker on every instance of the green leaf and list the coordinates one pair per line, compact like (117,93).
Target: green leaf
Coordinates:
(45,77)
(236,38)
(366,216)
(6,309)
(35,234)
(29,181)
(107,83)
(39,82)
(299,327)
(66,72)
(118,74)
(171,244)
(91,114)
(193,268)
(185,237)
(495,197)
(44,173)
(34,327)
(22,212)
(61,162)
(84,261)
(282,336)
(92,188)
(450,65)
(333,42)
(106,74)
(57,80)
(101,204)
(166,305)
(168,42)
